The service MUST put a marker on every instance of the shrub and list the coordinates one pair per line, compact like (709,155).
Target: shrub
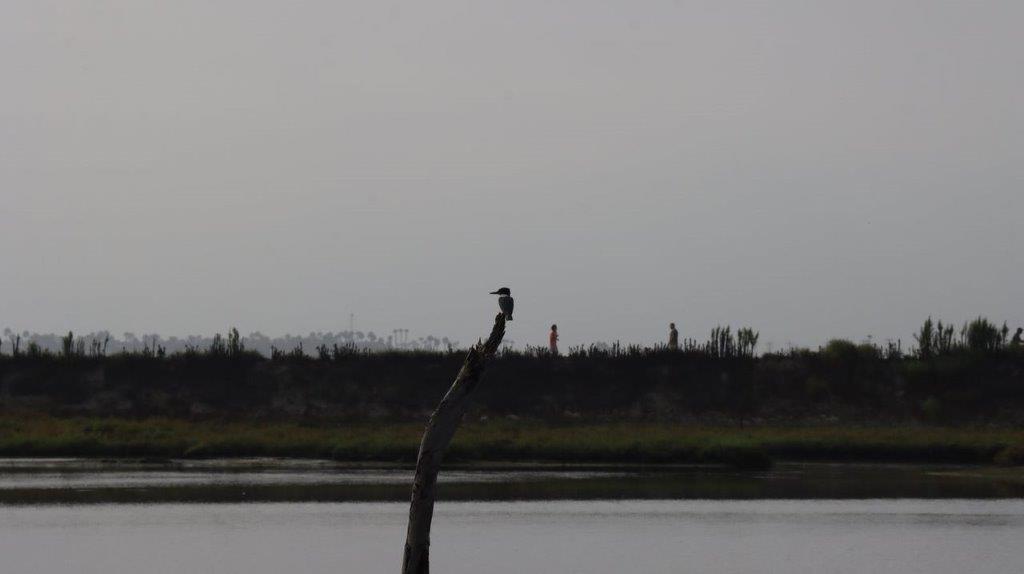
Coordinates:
(981,335)
(816,387)
(842,350)
(931,409)
(926,339)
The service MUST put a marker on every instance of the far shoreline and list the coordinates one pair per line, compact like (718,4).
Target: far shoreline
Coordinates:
(504,443)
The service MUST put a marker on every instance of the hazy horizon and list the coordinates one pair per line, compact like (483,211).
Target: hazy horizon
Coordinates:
(812,170)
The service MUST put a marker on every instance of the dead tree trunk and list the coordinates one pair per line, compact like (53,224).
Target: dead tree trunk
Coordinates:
(439,432)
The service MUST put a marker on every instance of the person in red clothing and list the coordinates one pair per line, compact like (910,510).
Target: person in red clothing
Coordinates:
(553,340)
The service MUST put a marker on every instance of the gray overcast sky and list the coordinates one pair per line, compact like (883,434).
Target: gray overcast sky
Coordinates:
(812,169)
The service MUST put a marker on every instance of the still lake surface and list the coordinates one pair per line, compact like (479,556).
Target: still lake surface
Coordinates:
(258,517)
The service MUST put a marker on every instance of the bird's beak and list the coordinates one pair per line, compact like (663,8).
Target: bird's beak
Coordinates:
(494,292)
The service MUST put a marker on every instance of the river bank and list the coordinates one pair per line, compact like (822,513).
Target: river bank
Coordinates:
(512,441)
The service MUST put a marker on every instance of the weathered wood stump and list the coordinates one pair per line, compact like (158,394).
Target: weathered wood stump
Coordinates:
(438,434)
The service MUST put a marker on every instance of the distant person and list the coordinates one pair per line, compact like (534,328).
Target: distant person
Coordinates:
(673,337)
(553,340)
(1016,342)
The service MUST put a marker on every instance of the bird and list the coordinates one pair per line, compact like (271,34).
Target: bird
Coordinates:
(505,302)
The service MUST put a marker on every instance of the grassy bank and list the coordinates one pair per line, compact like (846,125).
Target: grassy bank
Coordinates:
(504,441)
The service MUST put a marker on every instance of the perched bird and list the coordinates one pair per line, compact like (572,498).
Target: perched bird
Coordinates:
(505,302)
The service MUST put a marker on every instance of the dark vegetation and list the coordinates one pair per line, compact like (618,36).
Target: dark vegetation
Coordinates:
(972,375)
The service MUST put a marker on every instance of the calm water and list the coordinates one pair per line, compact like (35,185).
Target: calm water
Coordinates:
(63,516)
(927,536)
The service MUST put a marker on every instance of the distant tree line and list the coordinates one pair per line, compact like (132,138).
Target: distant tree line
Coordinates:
(973,372)
(103,343)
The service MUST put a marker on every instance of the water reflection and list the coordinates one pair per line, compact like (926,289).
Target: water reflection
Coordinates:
(94,482)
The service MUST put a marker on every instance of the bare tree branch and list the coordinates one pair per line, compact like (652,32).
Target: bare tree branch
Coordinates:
(438,434)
